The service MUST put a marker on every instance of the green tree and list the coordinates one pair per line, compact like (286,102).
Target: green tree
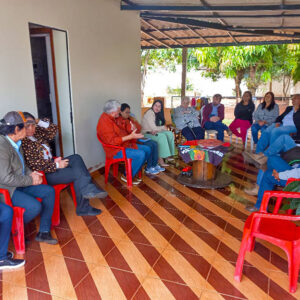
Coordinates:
(254,64)
(167,59)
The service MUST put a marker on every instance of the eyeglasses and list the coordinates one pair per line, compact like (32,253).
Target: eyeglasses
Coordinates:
(27,125)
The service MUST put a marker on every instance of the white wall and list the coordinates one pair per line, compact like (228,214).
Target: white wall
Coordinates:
(104,45)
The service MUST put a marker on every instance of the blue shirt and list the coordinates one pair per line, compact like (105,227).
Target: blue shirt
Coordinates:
(17,146)
(288,120)
(214,111)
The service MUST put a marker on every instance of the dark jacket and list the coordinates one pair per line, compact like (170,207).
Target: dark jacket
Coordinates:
(207,111)
(244,112)
(296,118)
(11,175)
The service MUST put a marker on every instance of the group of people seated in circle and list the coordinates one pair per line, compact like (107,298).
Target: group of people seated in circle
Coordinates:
(25,157)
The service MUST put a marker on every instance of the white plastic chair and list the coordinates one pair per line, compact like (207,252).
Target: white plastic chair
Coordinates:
(208,132)
(246,142)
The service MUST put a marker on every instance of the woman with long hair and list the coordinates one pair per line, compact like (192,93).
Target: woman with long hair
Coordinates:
(243,116)
(129,124)
(154,127)
(265,114)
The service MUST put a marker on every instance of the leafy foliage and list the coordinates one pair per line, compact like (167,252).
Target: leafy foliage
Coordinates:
(292,203)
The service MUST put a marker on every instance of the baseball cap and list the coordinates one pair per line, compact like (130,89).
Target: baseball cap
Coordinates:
(13,118)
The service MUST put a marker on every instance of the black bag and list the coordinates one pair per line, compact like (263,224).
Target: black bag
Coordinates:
(291,155)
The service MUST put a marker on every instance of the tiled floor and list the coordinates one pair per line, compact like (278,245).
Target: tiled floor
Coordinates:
(160,240)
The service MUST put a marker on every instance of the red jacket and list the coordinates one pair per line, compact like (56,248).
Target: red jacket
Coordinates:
(110,133)
(207,111)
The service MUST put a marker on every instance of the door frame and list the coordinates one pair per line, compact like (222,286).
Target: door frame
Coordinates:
(49,30)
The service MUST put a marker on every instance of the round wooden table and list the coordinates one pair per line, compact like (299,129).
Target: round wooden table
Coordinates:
(205,175)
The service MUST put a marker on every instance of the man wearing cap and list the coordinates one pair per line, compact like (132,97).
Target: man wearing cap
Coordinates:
(23,185)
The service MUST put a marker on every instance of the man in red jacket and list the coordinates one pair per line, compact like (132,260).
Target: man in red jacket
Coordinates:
(212,117)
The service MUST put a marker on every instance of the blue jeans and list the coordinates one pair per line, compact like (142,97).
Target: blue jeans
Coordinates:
(188,133)
(282,144)
(153,157)
(266,181)
(218,126)
(255,128)
(138,157)
(6,216)
(267,184)
(26,197)
(271,134)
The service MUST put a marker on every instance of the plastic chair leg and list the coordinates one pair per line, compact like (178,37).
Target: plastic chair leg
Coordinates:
(293,260)
(18,230)
(56,210)
(251,244)
(73,194)
(115,169)
(129,172)
(240,260)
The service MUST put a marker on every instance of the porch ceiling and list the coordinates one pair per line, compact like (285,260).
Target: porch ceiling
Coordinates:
(203,23)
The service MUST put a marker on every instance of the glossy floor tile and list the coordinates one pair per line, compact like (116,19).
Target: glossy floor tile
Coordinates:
(159,240)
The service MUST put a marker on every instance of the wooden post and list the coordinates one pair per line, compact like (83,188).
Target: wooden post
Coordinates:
(203,170)
(183,74)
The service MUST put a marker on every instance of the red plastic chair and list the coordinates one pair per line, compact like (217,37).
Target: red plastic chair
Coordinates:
(58,188)
(17,227)
(275,228)
(115,163)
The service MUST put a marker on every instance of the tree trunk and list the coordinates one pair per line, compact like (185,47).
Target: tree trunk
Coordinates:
(251,83)
(144,75)
(270,86)
(183,74)
(285,85)
(238,79)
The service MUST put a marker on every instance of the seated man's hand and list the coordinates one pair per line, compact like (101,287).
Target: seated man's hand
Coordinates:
(63,163)
(154,132)
(37,178)
(214,119)
(277,125)
(275,175)
(57,159)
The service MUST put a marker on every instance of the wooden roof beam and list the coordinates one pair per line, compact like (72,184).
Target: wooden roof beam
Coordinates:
(143,40)
(161,32)
(154,38)
(211,8)
(199,35)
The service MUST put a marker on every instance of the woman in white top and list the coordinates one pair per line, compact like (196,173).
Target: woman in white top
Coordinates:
(153,127)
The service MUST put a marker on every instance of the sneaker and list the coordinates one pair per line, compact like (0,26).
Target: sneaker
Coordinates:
(152,171)
(134,181)
(252,191)
(90,211)
(159,168)
(138,179)
(251,208)
(10,263)
(45,237)
(9,255)
(100,194)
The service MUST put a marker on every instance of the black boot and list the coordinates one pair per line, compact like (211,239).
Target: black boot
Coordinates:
(45,237)
(84,209)
(91,191)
